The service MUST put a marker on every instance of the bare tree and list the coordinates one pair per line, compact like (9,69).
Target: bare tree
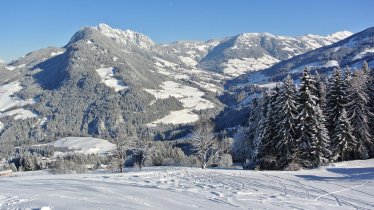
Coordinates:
(205,143)
(123,142)
(142,147)
(119,154)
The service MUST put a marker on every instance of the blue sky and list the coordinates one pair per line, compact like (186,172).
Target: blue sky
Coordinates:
(30,25)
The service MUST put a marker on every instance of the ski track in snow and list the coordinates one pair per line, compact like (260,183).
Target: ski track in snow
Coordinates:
(334,187)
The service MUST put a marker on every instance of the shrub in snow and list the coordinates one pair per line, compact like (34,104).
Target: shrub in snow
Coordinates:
(225,161)
(165,154)
(293,166)
(13,167)
(66,167)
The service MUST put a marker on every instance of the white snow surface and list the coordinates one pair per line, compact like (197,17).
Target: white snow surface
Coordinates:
(107,77)
(85,145)
(183,116)
(190,97)
(316,65)
(188,61)
(236,67)
(11,68)
(7,101)
(363,53)
(125,37)
(347,185)
(57,53)
(269,85)
(19,114)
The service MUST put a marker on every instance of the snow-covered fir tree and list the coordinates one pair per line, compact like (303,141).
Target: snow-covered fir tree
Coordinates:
(342,136)
(258,130)
(286,124)
(313,134)
(321,90)
(267,149)
(371,107)
(358,112)
(246,144)
(335,102)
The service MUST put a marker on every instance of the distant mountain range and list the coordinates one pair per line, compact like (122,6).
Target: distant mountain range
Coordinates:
(349,52)
(107,79)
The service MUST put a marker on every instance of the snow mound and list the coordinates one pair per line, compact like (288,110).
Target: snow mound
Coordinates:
(85,145)
(107,77)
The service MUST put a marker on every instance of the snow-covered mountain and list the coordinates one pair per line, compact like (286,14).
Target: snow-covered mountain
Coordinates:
(106,79)
(256,51)
(103,79)
(351,52)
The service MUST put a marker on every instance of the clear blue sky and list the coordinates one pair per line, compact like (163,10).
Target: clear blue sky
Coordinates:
(28,25)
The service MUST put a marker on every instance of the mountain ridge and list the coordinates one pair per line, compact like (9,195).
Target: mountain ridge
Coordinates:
(106,79)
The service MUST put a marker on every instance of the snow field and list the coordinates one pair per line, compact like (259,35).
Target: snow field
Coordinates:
(347,185)
(7,101)
(190,97)
(85,145)
(107,77)
(236,67)
(11,68)
(363,53)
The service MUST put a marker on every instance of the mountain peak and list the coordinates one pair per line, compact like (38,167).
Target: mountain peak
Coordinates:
(247,35)
(341,34)
(125,36)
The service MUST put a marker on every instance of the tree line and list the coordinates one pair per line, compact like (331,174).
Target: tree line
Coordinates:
(319,121)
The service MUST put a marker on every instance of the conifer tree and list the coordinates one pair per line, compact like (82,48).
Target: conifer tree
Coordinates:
(371,108)
(313,134)
(267,151)
(321,90)
(286,124)
(253,130)
(345,141)
(358,113)
(335,102)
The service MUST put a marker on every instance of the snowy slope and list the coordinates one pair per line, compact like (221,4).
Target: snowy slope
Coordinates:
(73,80)
(351,52)
(8,101)
(348,185)
(85,145)
(249,52)
(190,97)
(107,77)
